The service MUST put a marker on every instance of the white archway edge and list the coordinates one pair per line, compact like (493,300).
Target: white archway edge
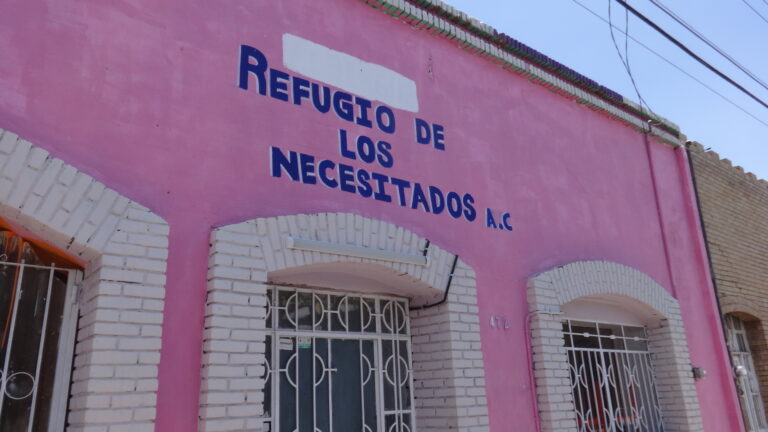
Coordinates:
(449,381)
(121,299)
(549,291)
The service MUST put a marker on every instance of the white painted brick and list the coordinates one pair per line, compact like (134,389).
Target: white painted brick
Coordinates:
(144,291)
(133,427)
(149,358)
(17,159)
(139,344)
(265,243)
(596,278)
(151,240)
(142,371)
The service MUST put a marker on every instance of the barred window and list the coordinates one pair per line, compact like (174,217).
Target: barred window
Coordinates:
(338,362)
(37,327)
(611,377)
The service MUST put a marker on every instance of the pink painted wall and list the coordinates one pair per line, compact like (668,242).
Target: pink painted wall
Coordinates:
(142,95)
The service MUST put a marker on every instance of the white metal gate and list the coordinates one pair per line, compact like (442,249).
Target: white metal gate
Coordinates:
(611,378)
(338,363)
(38,319)
(38,316)
(749,388)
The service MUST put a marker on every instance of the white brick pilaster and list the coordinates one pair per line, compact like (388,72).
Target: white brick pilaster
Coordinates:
(125,247)
(449,379)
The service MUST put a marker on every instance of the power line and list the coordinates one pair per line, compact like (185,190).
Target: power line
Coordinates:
(649,49)
(625,59)
(689,52)
(755,11)
(711,44)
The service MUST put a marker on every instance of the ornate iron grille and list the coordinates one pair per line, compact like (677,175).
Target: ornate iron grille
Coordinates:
(338,363)
(37,318)
(611,378)
(748,385)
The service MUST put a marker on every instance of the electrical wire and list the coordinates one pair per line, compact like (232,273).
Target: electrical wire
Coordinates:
(711,44)
(683,71)
(625,59)
(755,11)
(689,52)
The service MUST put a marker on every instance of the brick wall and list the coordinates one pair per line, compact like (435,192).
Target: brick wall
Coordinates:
(550,290)
(449,381)
(448,361)
(125,247)
(734,207)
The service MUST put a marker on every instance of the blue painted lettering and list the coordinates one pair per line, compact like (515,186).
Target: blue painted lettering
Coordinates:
(322,104)
(322,171)
(279,163)
(381,194)
(438,132)
(342,105)
(300,90)
(385,119)
(436,200)
(505,221)
(469,210)
(384,156)
(401,186)
(246,68)
(347,178)
(423,133)
(307,167)
(362,117)
(418,198)
(363,185)
(366,149)
(278,84)
(454,204)
(489,221)
(343,150)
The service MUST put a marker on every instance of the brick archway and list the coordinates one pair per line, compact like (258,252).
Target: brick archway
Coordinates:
(447,359)
(124,247)
(549,291)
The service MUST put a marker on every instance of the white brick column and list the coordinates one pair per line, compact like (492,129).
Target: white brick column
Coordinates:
(548,291)
(674,385)
(120,303)
(447,357)
(550,361)
(234,362)
(448,374)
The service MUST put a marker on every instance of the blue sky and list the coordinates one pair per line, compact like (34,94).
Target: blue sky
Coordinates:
(571,35)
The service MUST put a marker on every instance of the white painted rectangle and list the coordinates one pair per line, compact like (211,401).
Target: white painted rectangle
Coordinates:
(369,80)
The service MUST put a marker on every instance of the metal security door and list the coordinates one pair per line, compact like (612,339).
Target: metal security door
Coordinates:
(338,363)
(749,388)
(37,318)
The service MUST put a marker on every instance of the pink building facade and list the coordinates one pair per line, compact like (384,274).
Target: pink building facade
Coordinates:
(346,215)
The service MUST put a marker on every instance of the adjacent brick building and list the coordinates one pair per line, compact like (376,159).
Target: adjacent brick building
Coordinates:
(734,208)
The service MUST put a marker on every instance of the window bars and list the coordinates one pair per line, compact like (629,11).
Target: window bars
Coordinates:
(37,317)
(611,378)
(338,363)
(752,407)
